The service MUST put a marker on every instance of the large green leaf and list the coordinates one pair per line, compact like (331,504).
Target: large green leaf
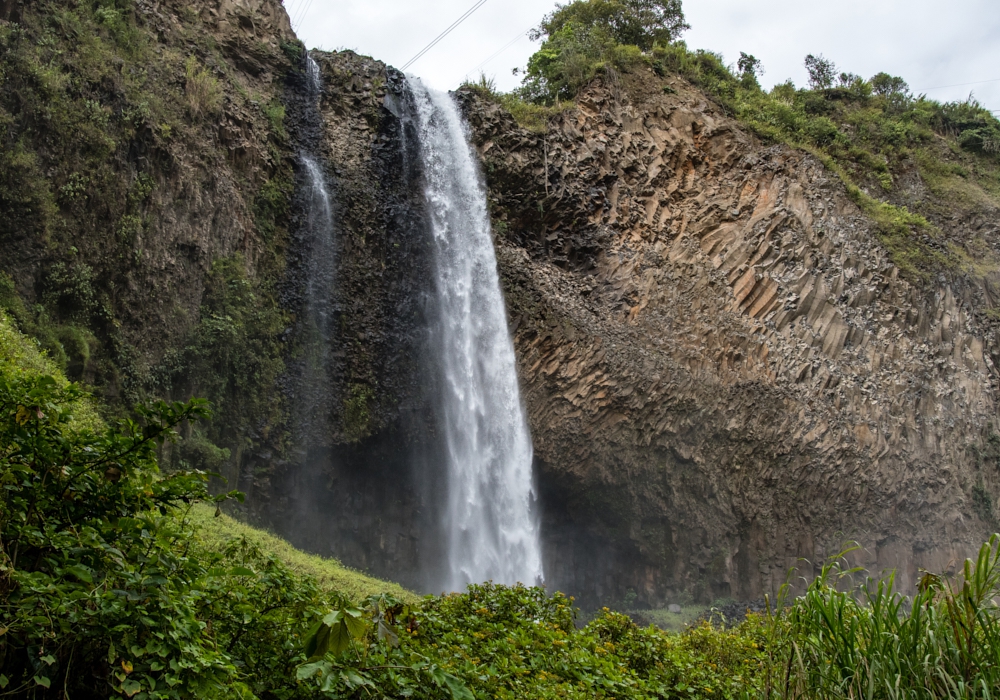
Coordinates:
(455,686)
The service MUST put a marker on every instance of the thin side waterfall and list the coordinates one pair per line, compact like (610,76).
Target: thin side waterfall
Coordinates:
(319,234)
(491,527)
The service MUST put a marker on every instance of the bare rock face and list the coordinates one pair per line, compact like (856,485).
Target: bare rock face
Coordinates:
(724,371)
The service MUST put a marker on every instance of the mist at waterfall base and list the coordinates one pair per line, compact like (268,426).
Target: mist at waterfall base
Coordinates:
(440,495)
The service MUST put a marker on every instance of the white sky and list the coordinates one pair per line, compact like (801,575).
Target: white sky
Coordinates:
(933,45)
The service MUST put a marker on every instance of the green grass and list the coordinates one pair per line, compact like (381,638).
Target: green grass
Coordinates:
(528,115)
(22,357)
(842,640)
(216,532)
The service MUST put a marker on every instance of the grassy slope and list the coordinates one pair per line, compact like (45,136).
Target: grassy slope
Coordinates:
(216,532)
(21,356)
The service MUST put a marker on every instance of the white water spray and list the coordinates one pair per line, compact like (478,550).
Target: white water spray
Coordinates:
(491,525)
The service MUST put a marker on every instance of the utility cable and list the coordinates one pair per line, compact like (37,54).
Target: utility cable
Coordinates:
(303,11)
(512,42)
(978,82)
(445,33)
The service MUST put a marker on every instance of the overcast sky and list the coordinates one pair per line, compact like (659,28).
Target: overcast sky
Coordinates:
(936,46)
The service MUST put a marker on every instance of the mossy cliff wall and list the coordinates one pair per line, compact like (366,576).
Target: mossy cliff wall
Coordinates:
(145,177)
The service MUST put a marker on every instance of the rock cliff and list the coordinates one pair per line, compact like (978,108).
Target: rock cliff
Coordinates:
(725,372)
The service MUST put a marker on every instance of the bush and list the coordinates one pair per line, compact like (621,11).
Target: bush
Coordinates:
(516,642)
(822,72)
(104,591)
(586,36)
(640,23)
(203,91)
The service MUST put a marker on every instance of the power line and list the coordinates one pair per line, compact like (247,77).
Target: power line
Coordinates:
(513,41)
(978,82)
(303,11)
(445,33)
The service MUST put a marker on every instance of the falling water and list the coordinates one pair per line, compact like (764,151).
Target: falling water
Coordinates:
(490,524)
(319,239)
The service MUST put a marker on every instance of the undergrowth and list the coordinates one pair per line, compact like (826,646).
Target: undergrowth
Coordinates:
(119,581)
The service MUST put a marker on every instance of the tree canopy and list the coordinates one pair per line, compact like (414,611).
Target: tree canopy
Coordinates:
(642,23)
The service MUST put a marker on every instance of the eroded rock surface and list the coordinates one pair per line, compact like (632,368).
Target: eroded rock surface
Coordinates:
(724,370)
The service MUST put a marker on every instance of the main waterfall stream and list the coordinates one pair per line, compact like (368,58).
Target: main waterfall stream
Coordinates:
(490,521)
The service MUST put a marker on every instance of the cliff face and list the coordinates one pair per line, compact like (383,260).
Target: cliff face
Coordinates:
(361,485)
(724,370)
(143,184)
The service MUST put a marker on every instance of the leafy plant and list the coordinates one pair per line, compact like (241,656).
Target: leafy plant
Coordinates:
(845,641)
(586,36)
(203,91)
(822,72)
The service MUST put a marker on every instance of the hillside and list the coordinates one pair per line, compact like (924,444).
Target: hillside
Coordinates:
(747,353)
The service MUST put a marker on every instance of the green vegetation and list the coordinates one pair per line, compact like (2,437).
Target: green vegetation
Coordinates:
(233,355)
(529,115)
(21,357)
(844,641)
(119,581)
(357,414)
(505,643)
(105,587)
(868,132)
(218,531)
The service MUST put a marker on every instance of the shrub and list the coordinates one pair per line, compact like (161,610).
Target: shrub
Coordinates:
(586,36)
(204,92)
(516,642)
(104,589)
(641,23)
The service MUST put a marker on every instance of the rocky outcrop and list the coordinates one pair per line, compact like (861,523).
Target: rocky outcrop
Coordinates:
(724,371)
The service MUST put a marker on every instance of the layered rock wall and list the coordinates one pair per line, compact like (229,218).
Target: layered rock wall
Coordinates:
(725,372)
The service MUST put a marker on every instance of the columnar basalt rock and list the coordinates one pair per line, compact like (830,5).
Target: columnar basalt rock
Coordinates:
(724,370)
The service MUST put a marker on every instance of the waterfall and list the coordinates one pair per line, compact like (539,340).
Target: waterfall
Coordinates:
(490,524)
(319,240)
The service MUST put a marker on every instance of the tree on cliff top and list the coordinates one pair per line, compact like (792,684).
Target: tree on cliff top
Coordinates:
(641,23)
(587,35)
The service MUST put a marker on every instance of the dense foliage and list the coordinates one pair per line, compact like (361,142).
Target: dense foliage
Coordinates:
(109,588)
(586,35)
(103,590)
(500,642)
